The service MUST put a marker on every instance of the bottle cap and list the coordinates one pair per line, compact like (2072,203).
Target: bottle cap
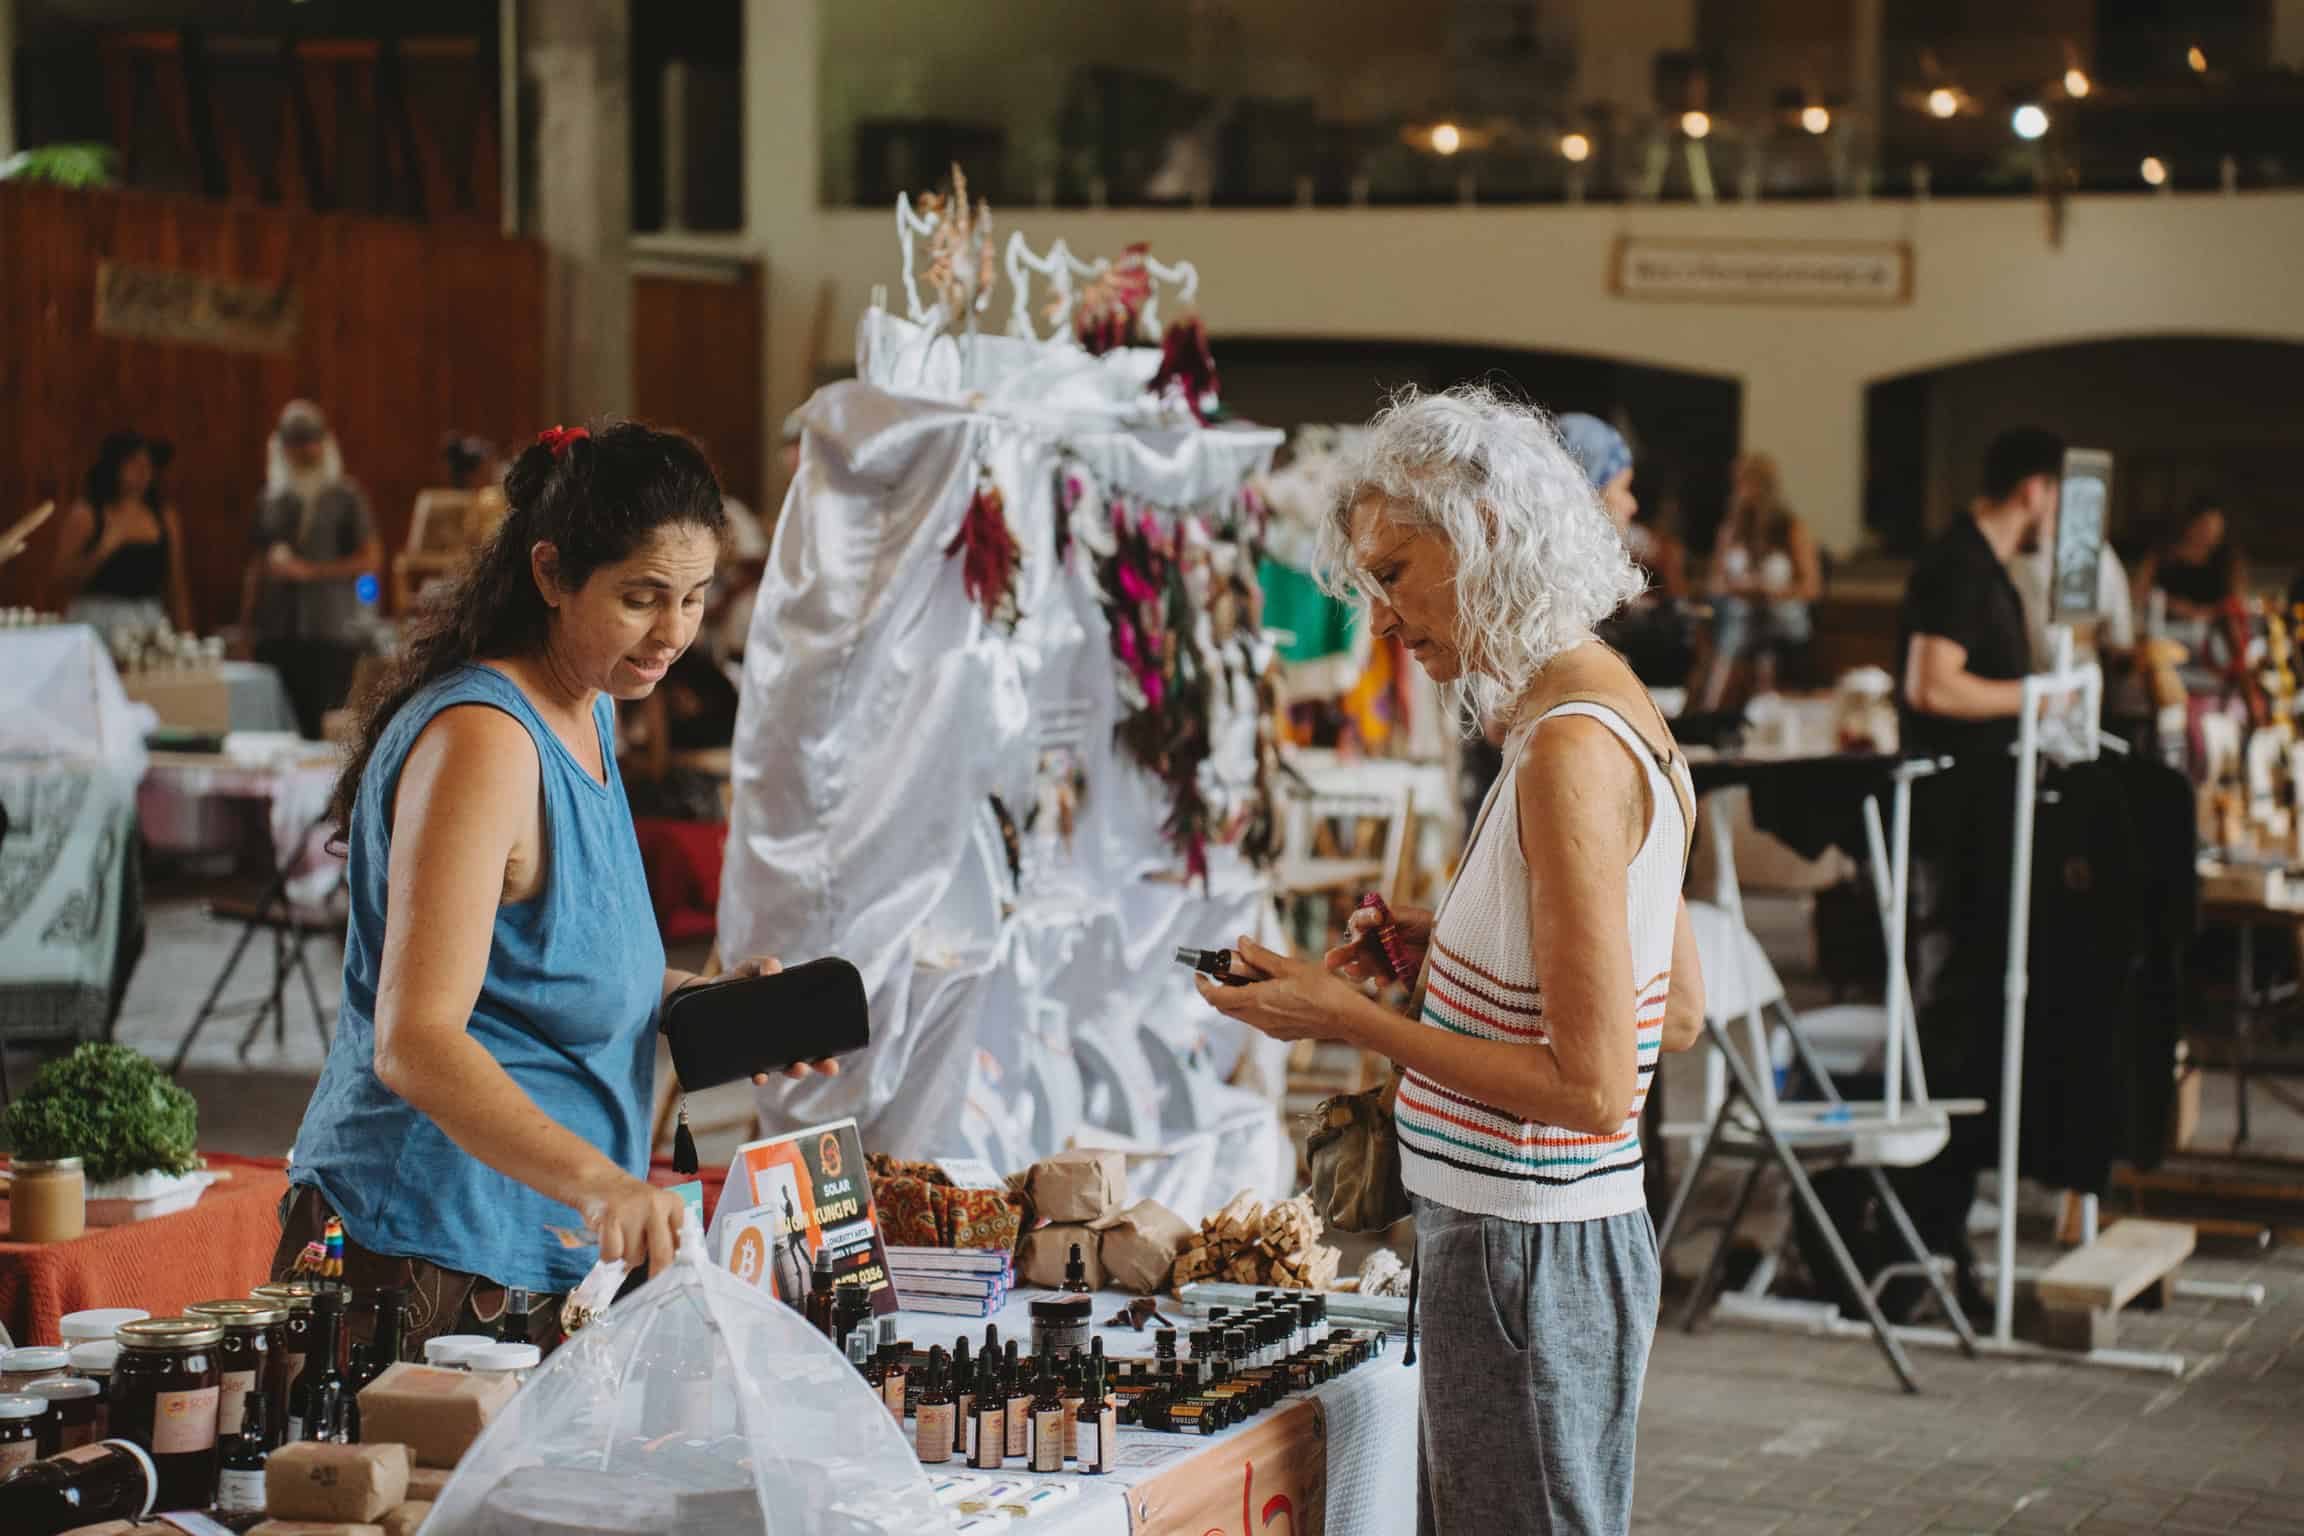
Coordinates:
(505,1357)
(22,1407)
(64,1387)
(96,1357)
(97,1323)
(453,1349)
(35,1358)
(236,1313)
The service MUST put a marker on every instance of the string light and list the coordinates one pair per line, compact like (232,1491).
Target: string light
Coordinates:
(2197,59)
(2154,171)
(1943,101)
(1816,119)
(1575,147)
(2029,121)
(2076,83)
(1696,125)
(1447,139)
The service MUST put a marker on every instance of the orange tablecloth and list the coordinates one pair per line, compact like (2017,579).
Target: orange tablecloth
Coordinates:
(218,1248)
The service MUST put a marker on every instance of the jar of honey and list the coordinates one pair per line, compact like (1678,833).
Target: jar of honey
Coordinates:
(19,1431)
(164,1398)
(252,1358)
(296,1297)
(19,1368)
(47,1200)
(74,1416)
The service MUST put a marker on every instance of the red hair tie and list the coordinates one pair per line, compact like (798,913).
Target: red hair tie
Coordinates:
(557,439)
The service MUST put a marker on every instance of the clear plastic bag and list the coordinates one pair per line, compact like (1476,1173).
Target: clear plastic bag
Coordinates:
(701,1406)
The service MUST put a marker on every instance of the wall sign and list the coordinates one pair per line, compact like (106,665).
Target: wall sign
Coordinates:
(1835,272)
(163,304)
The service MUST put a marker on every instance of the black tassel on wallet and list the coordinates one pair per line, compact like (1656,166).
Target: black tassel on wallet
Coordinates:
(683,1145)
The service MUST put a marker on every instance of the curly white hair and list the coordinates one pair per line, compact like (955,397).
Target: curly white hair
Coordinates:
(1538,563)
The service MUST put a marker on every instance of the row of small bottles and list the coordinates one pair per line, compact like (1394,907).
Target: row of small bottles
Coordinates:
(996,1407)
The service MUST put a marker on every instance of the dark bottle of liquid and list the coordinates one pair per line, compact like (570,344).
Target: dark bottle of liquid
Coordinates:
(991,1409)
(1047,1422)
(110,1480)
(240,1475)
(1075,1392)
(1018,1406)
(819,1308)
(1094,1424)
(1076,1273)
(315,1398)
(963,1398)
(1215,964)
(389,1343)
(512,1327)
(359,1363)
(932,1431)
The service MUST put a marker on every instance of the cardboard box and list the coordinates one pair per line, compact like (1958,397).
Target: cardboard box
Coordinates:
(1046,1250)
(1139,1246)
(316,1528)
(408,1519)
(437,1414)
(315,1480)
(426,1484)
(1080,1186)
(191,700)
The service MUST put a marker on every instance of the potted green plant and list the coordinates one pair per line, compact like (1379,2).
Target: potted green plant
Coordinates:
(135,1131)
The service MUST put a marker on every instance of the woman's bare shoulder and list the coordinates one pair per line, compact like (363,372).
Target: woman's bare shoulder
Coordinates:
(473,758)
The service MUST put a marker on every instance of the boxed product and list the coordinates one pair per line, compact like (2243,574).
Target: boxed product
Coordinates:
(1140,1245)
(1087,1184)
(315,1480)
(408,1519)
(426,1484)
(1048,1249)
(437,1414)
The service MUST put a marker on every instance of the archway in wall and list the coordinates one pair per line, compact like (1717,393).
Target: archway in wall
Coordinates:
(1684,426)
(2181,415)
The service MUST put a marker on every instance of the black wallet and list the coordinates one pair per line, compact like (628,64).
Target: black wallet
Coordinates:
(724,1030)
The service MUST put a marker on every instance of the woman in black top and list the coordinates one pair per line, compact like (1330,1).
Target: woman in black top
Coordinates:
(117,563)
(2197,571)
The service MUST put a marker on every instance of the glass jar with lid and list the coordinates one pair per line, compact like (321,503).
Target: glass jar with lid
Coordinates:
(164,1398)
(513,1360)
(47,1200)
(93,1361)
(97,1324)
(251,1358)
(296,1297)
(74,1413)
(19,1431)
(19,1368)
(454,1351)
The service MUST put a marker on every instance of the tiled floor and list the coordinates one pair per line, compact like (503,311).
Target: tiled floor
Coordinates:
(1743,1430)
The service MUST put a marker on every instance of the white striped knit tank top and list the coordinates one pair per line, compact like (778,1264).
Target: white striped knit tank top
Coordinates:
(1482,982)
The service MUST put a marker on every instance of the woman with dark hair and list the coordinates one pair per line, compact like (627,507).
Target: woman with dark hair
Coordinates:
(117,565)
(1765,573)
(490,1076)
(2196,567)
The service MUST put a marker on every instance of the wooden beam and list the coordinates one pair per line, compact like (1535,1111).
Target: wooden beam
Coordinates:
(2106,1275)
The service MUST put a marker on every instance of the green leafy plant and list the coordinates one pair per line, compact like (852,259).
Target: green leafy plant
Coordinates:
(111,1107)
(81,166)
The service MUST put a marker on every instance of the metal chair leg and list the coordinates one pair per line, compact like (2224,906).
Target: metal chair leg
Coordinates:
(1687,1186)
(223,980)
(1717,1266)
(1926,1260)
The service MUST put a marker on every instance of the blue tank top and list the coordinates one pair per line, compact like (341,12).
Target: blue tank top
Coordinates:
(568,1007)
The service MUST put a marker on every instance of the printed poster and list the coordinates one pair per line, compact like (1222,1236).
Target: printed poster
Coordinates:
(789,1197)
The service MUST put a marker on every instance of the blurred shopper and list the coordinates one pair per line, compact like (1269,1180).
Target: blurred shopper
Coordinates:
(118,551)
(472,463)
(1765,573)
(300,607)
(2196,568)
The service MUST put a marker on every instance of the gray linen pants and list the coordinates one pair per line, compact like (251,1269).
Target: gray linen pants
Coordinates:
(1533,1339)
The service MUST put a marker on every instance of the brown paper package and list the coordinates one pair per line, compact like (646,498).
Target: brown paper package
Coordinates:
(408,1519)
(1139,1246)
(1079,1186)
(426,1484)
(314,1480)
(437,1414)
(1046,1250)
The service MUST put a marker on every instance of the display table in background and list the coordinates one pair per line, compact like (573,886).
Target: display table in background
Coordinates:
(1340,1459)
(218,1248)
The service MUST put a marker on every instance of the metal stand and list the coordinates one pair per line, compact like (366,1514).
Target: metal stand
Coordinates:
(274,913)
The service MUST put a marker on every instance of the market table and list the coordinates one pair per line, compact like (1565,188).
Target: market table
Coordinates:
(1339,1459)
(218,1248)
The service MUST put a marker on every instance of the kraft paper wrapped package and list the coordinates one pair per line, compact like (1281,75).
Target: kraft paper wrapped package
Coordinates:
(407,1520)
(1046,1250)
(426,1484)
(437,1414)
(1079,1186)
(1139,1246)
(314,1480)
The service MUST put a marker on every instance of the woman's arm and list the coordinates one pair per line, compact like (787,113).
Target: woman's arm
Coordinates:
(75,562)
(468,790)
(1807,569)
(1684,1008)
(179,589)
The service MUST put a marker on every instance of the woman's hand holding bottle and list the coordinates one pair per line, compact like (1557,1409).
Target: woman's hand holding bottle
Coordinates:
(1358,956)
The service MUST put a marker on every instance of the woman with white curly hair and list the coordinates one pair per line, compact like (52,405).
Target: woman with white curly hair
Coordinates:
(1559,964)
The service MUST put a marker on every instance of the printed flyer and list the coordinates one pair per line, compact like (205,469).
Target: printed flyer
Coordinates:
(789,1196)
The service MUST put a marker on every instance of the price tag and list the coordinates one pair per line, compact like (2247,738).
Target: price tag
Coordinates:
(971,1173)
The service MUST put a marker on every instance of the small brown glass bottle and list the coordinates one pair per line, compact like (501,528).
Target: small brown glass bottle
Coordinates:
(1018,1407)
(932,1428)
(963,1398)
(991,1410)
(1096,1426)
(1073,1393)
(112,1480)
(1048,1423)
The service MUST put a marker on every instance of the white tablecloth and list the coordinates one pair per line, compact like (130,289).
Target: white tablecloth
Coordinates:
(179,785)
(1370,1417)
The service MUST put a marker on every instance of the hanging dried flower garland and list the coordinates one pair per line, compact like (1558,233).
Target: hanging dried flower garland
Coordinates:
(989,553)
(1188,369)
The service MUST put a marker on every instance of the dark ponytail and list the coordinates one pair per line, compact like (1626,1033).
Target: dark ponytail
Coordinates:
(596,498)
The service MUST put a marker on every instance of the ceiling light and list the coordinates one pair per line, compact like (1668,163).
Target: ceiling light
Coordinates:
(2076,83)
(2197,59)
(2154,171)
(1575,147)
(1816,119)
(2029,121)
(1447,139)
(1943,101)
(1696,125)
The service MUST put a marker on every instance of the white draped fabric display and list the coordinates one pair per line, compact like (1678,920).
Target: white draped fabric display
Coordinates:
(882,713)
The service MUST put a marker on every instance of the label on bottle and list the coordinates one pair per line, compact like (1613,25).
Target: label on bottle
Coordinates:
(17,1453)
(892,1393)
(963,1422)
(1087,1449)
(1071,1427)
(1020,1426)
(232,1403)
(240,1493)
(934,1436)
(991,1439)
(183,1422)
(1048,1440)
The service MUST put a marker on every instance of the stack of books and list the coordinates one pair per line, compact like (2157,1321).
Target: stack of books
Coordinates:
(961,1282)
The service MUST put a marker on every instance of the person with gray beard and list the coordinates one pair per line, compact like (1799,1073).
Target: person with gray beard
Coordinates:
(313,540)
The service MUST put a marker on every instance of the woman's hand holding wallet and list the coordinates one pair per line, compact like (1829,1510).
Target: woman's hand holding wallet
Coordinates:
(722,1029)
(764,965)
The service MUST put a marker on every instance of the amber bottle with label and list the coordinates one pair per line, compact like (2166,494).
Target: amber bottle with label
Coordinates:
(1048,1423)
(932,1433)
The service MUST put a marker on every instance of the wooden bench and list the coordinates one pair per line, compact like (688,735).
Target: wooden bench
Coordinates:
(2082,1293)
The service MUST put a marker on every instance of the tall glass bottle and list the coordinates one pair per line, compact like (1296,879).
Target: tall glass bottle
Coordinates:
(315,1398)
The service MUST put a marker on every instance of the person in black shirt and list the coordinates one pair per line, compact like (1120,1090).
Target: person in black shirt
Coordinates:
(1961,636)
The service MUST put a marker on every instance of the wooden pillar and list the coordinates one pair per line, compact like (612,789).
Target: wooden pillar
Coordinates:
(579,56)
(781,216)
(7,78)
